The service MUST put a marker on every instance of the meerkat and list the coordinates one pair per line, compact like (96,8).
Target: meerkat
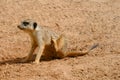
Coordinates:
(48,42)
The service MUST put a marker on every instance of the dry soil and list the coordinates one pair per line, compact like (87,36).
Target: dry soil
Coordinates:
(84,22)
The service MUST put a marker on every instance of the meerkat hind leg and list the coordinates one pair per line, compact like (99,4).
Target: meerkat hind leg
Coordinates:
(60,46)
(59,43)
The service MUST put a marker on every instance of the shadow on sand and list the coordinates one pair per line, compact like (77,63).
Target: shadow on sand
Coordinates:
(18,60)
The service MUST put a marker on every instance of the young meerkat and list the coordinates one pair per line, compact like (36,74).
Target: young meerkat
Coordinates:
(48,42)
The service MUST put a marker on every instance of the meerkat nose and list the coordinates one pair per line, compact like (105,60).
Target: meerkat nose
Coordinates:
(19,26)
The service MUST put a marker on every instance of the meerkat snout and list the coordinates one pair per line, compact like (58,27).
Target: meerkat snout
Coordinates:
(20,27)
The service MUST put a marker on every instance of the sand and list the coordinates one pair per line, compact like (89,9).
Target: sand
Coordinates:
(84,22)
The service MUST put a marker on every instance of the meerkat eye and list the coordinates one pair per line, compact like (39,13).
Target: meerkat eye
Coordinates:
(25,23)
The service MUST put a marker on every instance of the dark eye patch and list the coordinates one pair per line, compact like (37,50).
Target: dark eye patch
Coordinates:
(25,23)
(34,25)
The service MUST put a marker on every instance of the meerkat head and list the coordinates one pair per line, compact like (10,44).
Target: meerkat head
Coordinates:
(27,25)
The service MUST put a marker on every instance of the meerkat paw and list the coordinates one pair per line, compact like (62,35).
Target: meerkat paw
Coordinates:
(36,62)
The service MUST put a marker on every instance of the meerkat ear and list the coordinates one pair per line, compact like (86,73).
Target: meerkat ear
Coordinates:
(34,25)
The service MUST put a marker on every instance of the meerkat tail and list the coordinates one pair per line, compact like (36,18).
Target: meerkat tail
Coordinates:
(80,53)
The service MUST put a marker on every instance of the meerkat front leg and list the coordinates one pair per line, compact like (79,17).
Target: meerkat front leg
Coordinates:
(33,47)
(41,47)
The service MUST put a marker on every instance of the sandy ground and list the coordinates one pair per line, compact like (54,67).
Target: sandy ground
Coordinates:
(84,22)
